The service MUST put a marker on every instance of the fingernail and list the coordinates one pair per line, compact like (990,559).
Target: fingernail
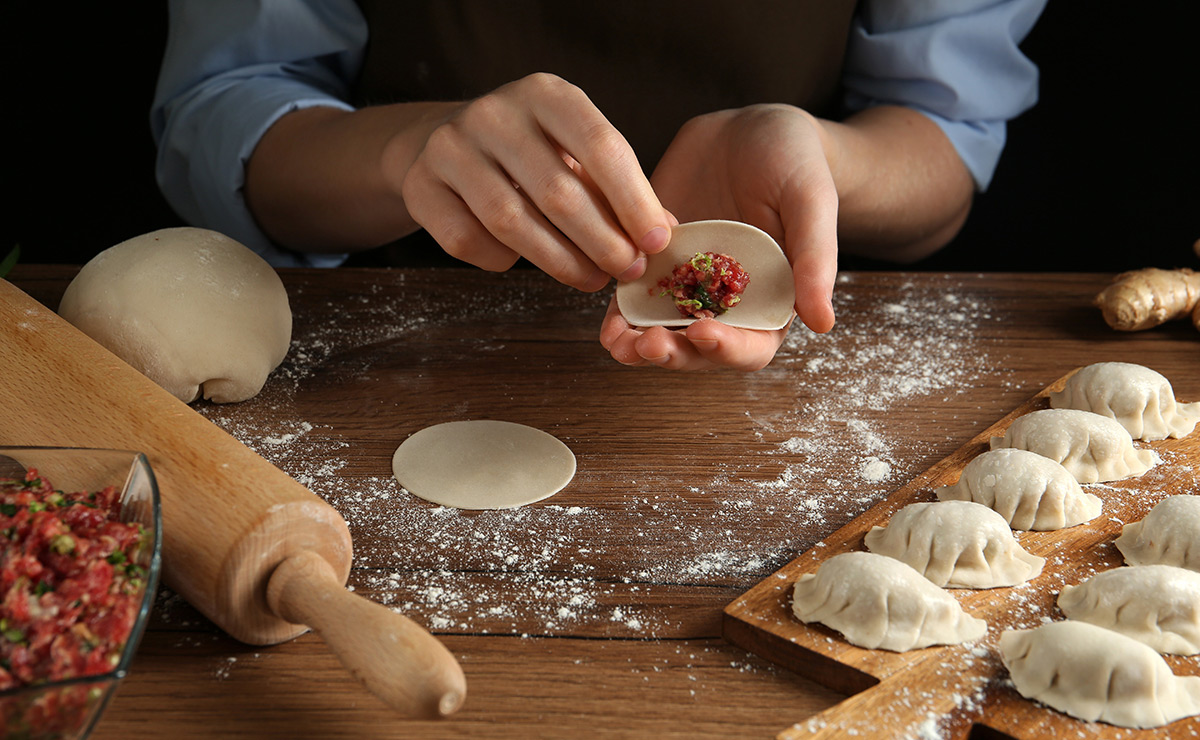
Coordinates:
(655,240)
(634,271)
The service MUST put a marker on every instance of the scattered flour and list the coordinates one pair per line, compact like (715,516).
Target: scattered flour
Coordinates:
(811,464)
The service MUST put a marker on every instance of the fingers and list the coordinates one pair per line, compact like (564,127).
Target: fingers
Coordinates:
(704,345)
(583,131)
(470,205)
(739,349)
(809,214)
(536,171)
(449,221)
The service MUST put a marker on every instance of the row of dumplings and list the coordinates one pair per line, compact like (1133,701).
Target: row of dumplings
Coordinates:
(892,598)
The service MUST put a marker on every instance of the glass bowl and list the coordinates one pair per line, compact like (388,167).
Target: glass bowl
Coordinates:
(68,709)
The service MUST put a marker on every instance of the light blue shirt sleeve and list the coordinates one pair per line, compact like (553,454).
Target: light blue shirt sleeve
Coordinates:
(230,70)
(956,61)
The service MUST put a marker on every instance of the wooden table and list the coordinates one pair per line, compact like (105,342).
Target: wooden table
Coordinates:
(597,612)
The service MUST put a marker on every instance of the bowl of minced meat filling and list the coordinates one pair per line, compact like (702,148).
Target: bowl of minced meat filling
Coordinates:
(80,553)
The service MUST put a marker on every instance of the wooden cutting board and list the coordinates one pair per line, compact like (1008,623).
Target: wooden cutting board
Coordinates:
(952,691)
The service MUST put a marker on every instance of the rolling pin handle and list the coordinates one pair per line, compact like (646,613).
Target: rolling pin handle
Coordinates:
(394,657)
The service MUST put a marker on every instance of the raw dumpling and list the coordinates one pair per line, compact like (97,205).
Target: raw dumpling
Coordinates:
(1158,605)
(1094,448)
(1095,674)
(1030,491)
(878,602)
(955,543)
(1170,534)
(1139,398)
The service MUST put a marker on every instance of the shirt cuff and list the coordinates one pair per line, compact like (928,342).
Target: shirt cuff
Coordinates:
(202,167)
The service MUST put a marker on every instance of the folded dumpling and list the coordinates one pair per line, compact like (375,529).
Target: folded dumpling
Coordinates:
(1095,674)
(1029,490)
(1170,534)
(956,543)
(1094,448)
(878,602)
(1158,605)
(1139,398)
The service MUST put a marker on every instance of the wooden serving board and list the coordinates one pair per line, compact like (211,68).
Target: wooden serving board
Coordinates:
(953,691)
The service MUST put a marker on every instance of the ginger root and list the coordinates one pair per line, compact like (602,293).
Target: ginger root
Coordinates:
(1140,299)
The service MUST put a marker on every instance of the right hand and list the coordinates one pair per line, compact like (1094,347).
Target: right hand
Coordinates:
(534,169)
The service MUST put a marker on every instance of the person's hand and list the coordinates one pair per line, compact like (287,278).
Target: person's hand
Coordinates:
(766,166)
(703,345)
(534,170)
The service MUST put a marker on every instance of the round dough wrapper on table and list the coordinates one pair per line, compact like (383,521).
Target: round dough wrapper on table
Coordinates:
(768,302)
(193,310)
(483,464)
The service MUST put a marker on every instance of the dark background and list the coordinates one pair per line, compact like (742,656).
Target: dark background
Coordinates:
(1100,176)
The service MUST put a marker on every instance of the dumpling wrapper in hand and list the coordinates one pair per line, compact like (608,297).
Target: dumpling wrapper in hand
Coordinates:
(768,302)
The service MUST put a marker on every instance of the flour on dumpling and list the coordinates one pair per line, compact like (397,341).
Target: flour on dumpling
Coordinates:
(957,544)
(1095,674)
(879,602)
(1094,448)
(1139,398)
(1169,535)
(1158,605)
(1029,490)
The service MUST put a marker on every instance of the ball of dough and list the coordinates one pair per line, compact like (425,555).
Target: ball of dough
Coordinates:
(195,311)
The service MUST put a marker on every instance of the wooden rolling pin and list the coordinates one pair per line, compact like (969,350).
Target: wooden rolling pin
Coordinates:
(258,553)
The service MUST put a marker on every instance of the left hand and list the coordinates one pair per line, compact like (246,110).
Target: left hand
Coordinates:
(766,166)
(704,345)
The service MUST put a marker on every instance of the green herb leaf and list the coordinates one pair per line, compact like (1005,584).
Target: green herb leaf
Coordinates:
(706,300)
(10,260)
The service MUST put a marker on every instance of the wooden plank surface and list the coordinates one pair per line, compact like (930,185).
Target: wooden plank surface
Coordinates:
(962,686)
(599,610)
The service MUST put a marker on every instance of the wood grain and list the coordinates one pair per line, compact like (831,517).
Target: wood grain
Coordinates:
(884,682)
(667,462)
